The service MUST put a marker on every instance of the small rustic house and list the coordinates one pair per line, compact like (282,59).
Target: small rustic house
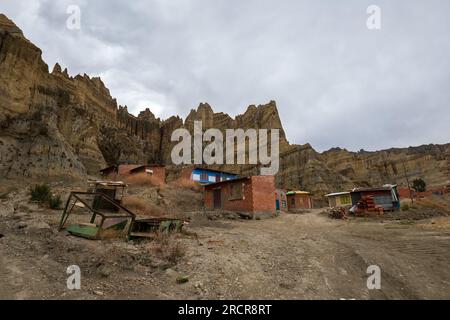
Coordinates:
(125,170)
(158,172)
(386,197)
(299,200)
(339,199)
(253,195)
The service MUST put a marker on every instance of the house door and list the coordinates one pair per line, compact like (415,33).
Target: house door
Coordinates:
(217,199)
(278,205)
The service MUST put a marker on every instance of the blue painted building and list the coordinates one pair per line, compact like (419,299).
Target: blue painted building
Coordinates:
(208,176)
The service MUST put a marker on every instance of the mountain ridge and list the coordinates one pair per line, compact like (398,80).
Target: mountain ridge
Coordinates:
(53,126)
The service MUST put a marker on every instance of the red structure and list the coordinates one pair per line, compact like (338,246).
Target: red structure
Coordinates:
(298,200)
(281,200)
(126,170)
(254,195)
(374,199)
(406,193)
(158,172)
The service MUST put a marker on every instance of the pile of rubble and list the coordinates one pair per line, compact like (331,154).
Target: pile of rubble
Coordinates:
(338,213)
(367,207)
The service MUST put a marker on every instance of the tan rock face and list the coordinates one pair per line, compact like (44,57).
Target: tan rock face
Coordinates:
(54,126)
(374,168)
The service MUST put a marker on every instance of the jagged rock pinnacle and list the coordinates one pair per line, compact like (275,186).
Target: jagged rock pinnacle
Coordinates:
(6,25)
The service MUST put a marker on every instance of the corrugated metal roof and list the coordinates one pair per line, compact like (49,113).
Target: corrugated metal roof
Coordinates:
(290,193)
(336,194)
(372,189)
(108,183)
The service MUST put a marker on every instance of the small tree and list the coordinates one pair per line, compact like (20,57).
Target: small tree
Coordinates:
(419,185)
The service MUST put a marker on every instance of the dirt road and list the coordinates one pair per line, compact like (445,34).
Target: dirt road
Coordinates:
(306,256)
(311,257)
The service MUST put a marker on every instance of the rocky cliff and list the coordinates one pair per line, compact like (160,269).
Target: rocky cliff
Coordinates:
(54,126)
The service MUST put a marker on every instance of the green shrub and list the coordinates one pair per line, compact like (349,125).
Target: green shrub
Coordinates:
(405,207)
(40,193)
(419,185)
(55,202)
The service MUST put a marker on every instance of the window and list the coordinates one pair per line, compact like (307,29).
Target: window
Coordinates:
(236,192)
(346,200)
(212,179)
(196,177)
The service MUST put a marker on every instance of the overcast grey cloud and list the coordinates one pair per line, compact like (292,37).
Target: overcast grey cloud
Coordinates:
(336,82)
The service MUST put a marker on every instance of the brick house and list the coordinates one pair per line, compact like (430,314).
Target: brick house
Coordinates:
(299,200)
(158,172)
(253,195)
(126,170)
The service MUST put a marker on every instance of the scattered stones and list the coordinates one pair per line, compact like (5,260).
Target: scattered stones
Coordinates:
(6,210)
(287,286)
(38,227)
(26,207)
(171,273)
(182,279)
(99,293)
(21,225)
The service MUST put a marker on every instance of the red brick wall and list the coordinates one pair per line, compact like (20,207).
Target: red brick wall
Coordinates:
(243,205)
(259,196)
(208,198)
(264,194)
(186,173)
(281,196)
(124,170)
(405,193)
(159,173)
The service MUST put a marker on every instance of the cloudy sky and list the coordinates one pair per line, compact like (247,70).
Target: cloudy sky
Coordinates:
(336,82)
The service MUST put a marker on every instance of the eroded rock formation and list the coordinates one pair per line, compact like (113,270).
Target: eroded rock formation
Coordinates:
(54,126)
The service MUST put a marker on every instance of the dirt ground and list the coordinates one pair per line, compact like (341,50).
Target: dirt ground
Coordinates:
(303,256)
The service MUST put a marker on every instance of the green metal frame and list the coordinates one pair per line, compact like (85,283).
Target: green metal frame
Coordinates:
(78,197)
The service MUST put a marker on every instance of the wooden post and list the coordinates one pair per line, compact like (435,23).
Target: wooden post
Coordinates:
(407,181)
